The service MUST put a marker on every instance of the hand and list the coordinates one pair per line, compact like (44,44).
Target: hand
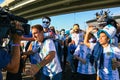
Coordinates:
(72,42)
(16,37)
(90,28)
(115,64)
(32,70)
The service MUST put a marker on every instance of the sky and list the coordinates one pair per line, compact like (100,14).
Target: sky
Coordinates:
(66,21)
(1,1)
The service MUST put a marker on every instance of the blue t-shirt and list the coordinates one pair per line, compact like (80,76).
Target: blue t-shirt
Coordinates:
(4,60)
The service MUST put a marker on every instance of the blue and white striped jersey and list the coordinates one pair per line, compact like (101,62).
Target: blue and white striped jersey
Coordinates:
(82,51)
(107,73)
(53,67)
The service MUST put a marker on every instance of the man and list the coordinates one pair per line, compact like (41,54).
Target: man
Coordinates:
(105,53)
(11,61)
(76,38)
(49,33)
(49,60)
(45,24)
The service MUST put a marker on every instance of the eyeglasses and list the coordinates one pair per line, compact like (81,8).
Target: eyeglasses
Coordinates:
(46,22)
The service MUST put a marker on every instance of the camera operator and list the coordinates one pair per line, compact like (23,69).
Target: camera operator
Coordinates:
(11,61)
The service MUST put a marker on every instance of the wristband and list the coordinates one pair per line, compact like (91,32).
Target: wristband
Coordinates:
(38,65)
(15,45)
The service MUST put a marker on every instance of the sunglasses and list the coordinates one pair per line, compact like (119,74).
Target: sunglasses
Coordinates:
(46,22)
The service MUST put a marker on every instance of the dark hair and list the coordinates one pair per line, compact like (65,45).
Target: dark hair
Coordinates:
(76,25)
(112,22)
(46,17)
(62,29)
(52,28)
(38,26)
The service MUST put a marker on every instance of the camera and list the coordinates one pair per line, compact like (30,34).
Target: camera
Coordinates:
(5,24)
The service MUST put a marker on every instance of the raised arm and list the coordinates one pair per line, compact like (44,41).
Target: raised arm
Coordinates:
(13,65)
(86,39)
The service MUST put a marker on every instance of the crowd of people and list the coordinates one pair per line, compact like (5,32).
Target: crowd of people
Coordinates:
(92,54)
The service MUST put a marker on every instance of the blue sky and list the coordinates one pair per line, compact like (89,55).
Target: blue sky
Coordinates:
(66,21)
(1,1)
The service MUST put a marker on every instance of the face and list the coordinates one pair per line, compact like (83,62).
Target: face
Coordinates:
(62,32)
(37,35)
(76,28)
(46,22)
(103,39)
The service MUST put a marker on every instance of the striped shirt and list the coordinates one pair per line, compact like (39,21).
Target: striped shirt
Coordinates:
(77,37)
(107,73)
(82,51)
(53,67)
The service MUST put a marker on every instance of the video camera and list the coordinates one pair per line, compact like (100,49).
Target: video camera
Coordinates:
(5,24)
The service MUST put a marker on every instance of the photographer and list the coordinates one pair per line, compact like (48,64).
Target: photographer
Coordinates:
(10,61)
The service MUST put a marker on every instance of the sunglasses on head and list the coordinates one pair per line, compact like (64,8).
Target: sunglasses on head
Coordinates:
(46,22)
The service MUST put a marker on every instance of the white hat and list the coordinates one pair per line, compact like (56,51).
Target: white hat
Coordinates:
(109,30)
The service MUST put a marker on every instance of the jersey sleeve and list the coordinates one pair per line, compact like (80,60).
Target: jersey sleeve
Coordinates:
(77,50)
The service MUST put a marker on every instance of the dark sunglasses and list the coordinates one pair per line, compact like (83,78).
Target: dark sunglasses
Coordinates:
(46,22)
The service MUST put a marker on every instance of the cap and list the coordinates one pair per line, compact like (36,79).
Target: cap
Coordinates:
(109,30)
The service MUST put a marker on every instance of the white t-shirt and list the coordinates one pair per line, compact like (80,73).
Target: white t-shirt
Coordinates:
(77,37)
(107,73)
(53,67)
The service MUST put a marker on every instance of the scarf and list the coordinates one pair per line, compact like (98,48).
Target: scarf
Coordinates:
(97,55)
